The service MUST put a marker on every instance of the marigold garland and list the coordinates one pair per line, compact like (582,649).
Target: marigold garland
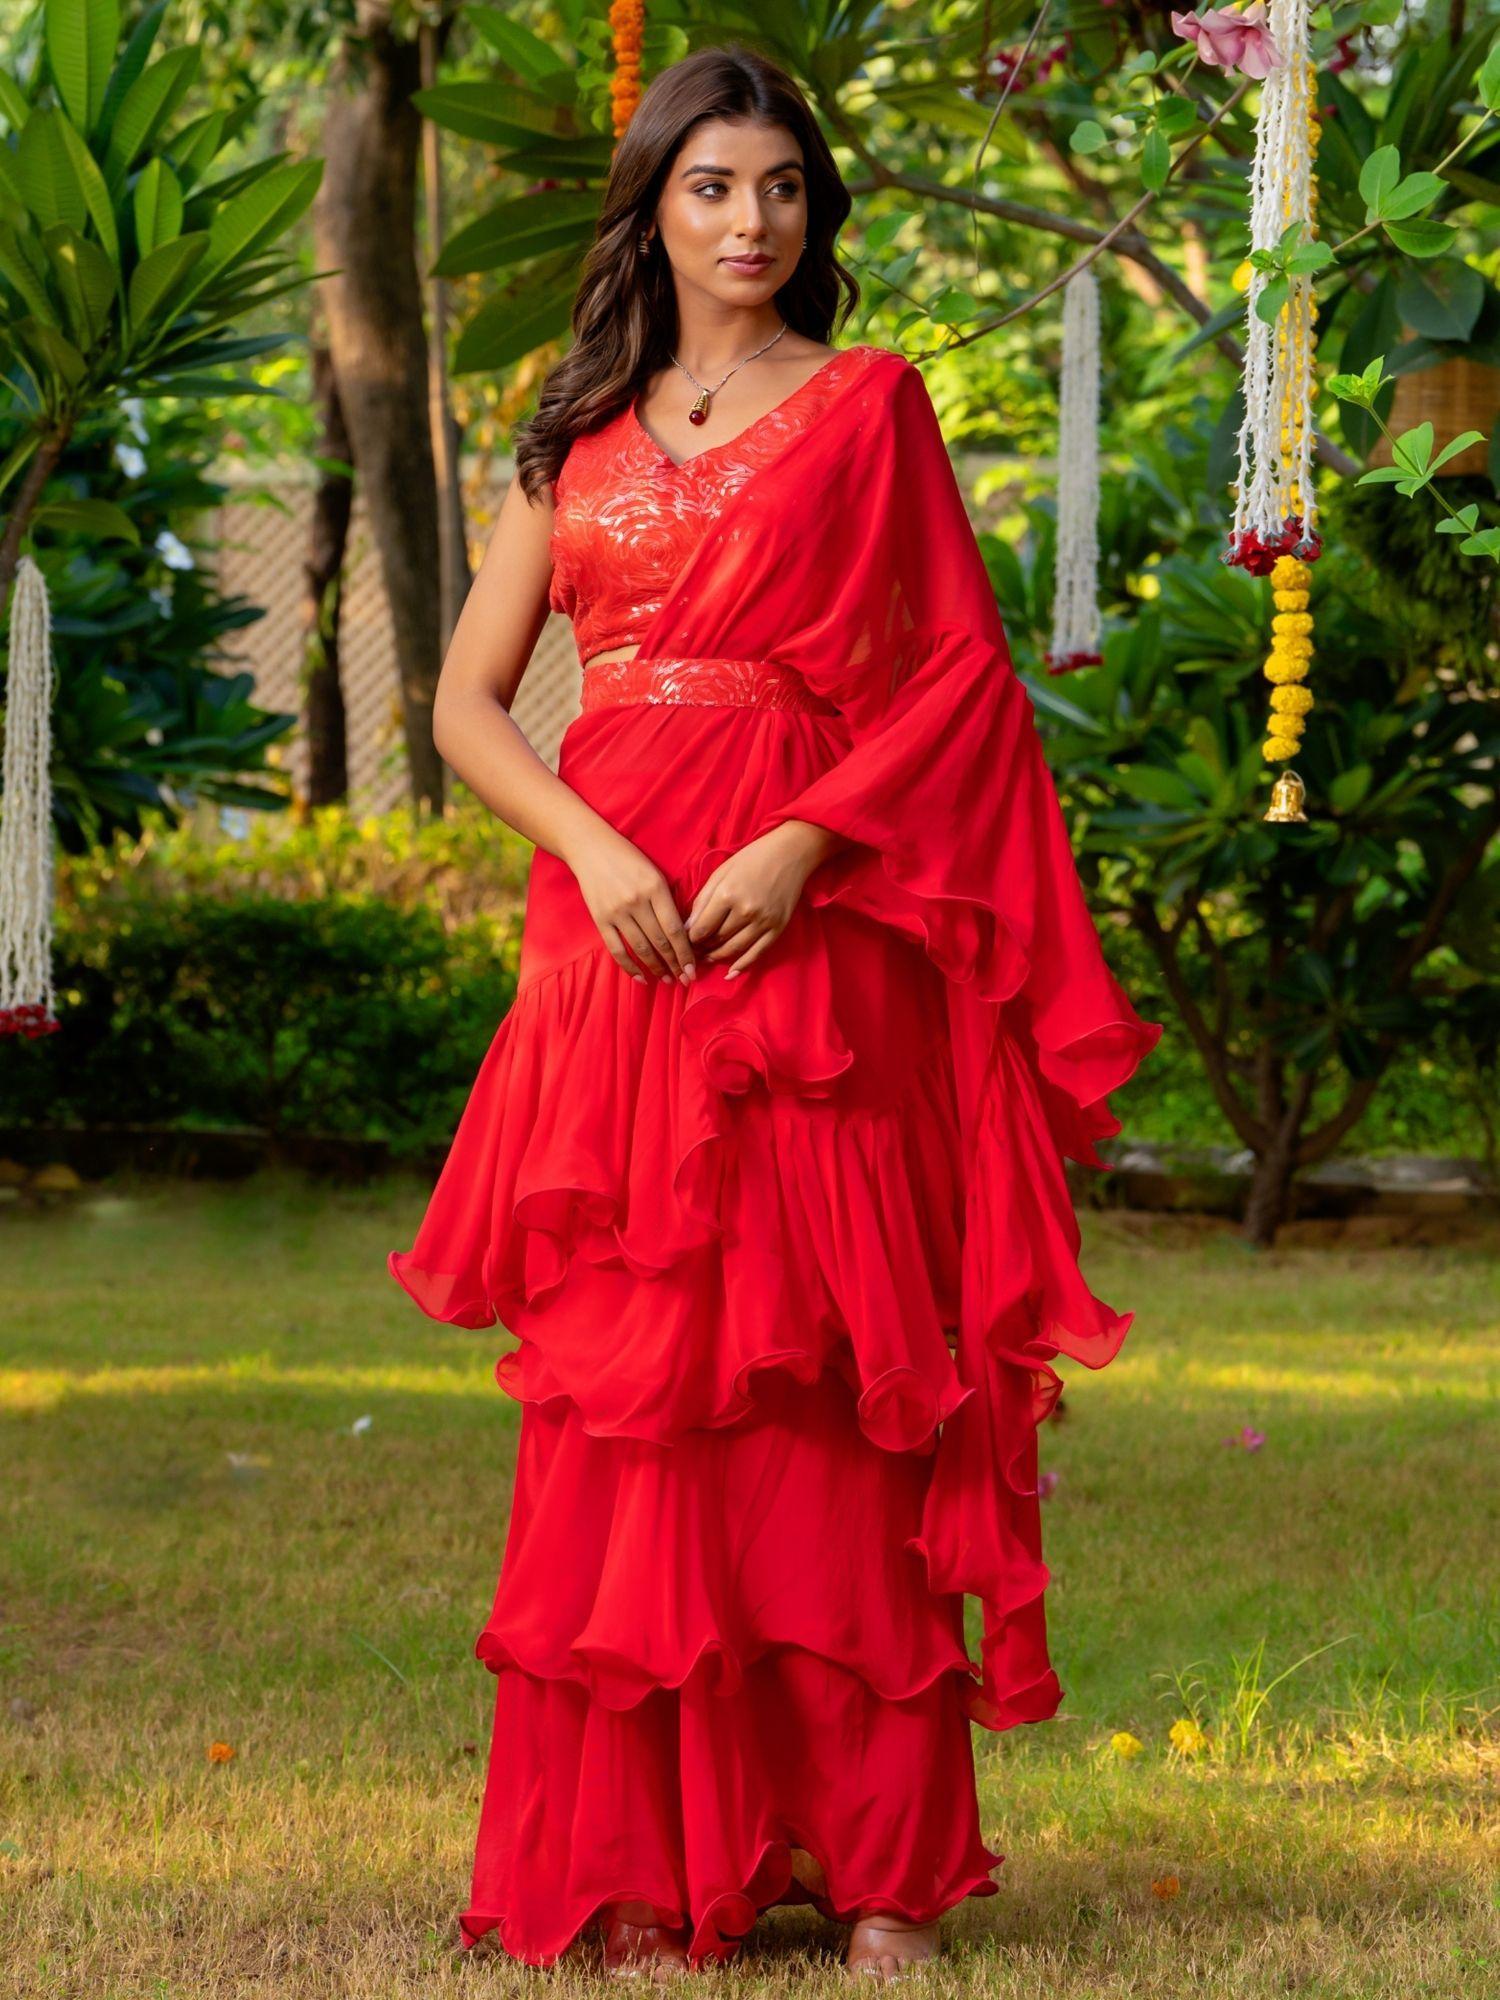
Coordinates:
(627,22)
(1291,624)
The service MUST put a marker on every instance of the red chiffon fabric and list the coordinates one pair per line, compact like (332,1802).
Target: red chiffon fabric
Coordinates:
(787,1255)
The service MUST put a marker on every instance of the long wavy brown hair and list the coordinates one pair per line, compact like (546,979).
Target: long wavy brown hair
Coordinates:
(625,314)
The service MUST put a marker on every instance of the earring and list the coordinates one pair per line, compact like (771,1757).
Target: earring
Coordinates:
(644,242)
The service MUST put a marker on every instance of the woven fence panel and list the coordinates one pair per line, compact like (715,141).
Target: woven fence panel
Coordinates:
(261,551)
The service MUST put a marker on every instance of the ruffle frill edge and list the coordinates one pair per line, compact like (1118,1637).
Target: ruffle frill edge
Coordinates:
(535,1214)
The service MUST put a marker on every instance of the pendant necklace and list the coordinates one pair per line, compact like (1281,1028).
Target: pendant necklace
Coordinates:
(698,414)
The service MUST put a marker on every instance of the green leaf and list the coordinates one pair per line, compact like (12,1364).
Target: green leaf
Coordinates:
(517,46)
(1156,159)
(1416,192)
(495,114)
(132,61)
(87,279)
(1270,299)
(95,193)
(55,349)
(18,272)
(157,276)
(1310,256)
(260,214)
(81,37)
(1488,81)
(1422,239)
(14,106)
(882,232)
(1455,446)
(148,104)
(1377,177)
(527,226)
(1414,447)
(510,326)
(1348,788)
(194,149)
(90,517)
(44,167)
(1088,136)
(158,206)
(1444,302)
(1461,523)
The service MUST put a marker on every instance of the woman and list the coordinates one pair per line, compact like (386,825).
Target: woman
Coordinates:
(764,1167)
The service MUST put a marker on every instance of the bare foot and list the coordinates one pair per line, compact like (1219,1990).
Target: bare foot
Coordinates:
(884,1946)
(636,1948)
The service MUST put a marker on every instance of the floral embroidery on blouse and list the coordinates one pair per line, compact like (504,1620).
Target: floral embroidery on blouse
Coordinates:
(628,516)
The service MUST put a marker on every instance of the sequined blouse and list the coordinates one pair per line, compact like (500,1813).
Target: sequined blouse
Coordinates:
(627,515)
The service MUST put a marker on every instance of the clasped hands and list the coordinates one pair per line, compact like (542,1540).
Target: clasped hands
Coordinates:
(740,910)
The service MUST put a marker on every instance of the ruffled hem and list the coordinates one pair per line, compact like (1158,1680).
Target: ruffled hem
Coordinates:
(733,1173)
(719,1930)
(693,1801)
(633,1567)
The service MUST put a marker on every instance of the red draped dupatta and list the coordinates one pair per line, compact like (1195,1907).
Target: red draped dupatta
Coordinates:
(850,558)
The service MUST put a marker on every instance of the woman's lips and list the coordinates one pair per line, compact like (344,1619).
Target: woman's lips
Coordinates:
(749,265)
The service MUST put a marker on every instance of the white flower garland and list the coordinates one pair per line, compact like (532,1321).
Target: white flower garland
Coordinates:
(26,995)
(1275,506)
(1075,605)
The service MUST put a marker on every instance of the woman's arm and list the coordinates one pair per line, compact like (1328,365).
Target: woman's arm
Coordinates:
(627,895)
(491,648)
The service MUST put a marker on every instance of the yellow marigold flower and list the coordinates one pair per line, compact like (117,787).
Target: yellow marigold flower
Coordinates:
(1125,1745)
(1276,749)
(1243,273)
(1291,600)
(1287,646)
(1290,573)
(1291,700)
(1187,1737)
(1289,623)
(1282,670)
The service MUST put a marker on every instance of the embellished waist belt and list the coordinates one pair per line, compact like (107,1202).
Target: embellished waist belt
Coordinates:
(705,683)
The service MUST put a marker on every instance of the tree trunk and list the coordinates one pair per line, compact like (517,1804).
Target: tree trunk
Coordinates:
(452,539)
(1270,1199)
(327,540)
(44,461)
(365,229)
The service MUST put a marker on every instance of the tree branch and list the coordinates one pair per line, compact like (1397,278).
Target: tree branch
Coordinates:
(1163,944)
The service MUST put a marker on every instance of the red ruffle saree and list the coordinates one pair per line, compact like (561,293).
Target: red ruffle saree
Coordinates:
(788,1256)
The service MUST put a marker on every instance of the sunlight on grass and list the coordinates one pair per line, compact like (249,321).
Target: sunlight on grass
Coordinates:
(258,1501)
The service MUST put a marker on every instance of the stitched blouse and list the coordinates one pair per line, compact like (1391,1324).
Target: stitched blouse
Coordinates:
(627,515)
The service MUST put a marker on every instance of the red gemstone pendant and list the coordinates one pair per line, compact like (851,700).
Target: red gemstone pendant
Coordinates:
(698,414)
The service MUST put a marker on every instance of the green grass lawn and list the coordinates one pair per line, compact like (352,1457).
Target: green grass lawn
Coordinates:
(200,1547)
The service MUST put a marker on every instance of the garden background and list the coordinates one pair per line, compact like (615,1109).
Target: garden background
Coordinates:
(276,283)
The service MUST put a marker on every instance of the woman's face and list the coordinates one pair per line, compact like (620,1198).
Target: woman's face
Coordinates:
(734,191)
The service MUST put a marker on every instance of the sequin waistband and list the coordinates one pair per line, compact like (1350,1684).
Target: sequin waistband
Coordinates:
(705,683)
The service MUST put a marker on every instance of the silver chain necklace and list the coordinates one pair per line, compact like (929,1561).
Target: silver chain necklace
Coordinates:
(698,414)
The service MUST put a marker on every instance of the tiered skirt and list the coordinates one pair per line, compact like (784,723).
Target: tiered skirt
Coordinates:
(725,1223)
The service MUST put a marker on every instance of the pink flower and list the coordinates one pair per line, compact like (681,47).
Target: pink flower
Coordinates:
(1232,38)
(1247,1438)
(1046,1484)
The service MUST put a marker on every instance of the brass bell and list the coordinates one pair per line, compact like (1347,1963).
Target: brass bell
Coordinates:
(1287,795)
